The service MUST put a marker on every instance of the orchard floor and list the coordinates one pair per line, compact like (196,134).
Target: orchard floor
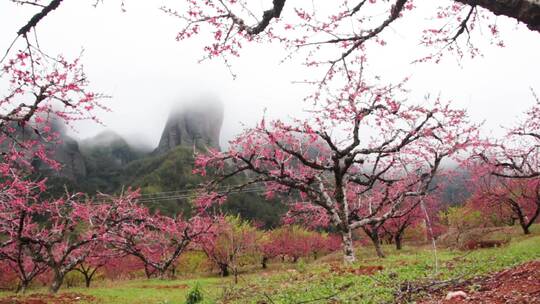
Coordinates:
(515,285)
(509,274)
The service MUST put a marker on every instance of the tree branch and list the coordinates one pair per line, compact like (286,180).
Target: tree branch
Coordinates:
(37,17)
(526,11)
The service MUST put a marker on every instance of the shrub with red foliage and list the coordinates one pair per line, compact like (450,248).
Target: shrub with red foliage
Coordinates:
(123,267)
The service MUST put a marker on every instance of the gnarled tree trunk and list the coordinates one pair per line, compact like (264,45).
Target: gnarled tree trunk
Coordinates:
(58,279)
(348,247)
(373,234)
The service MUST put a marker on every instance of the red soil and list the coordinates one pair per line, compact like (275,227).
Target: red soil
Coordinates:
(180,286)
(518,285)
(362,270)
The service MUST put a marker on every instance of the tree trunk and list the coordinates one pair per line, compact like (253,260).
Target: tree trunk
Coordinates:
(87,277)
(263,262)
(224,270)
(235,271)
(378,248)
(374,236)
(373,233)
(88,273)
(523,223)
(397,239)
(22,287)
(87,280)
(161,273)
(527,222)
(525,229)
(147,272)
(57,281)
(348,247)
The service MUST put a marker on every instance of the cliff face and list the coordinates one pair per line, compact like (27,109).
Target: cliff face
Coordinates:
(68,154)
(65,151)
(195,124)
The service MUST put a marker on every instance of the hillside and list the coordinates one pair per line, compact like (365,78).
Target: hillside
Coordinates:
(107,163)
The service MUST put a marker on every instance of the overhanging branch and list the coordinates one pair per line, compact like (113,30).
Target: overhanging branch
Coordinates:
(526,11)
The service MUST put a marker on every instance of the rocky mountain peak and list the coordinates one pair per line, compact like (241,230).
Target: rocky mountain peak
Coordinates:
(197,123)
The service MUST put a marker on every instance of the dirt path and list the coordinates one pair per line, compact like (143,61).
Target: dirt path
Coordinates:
(520,284)
(61,298)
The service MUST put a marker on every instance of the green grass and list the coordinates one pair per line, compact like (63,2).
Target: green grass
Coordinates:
(143,291)
(150,291)
(310,281)
(409,265)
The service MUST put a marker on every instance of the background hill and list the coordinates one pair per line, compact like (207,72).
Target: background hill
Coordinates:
(107,163)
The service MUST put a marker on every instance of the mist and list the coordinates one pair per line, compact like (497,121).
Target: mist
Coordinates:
(134,58)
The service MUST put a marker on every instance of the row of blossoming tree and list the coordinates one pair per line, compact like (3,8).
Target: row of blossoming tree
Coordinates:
(506,173)
(79,235)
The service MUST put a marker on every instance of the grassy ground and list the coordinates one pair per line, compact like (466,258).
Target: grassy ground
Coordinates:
(325,281)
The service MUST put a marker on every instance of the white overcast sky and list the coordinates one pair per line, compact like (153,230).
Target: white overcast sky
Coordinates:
(135,58)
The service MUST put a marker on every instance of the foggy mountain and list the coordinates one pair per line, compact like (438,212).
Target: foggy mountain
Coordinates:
(108,163)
